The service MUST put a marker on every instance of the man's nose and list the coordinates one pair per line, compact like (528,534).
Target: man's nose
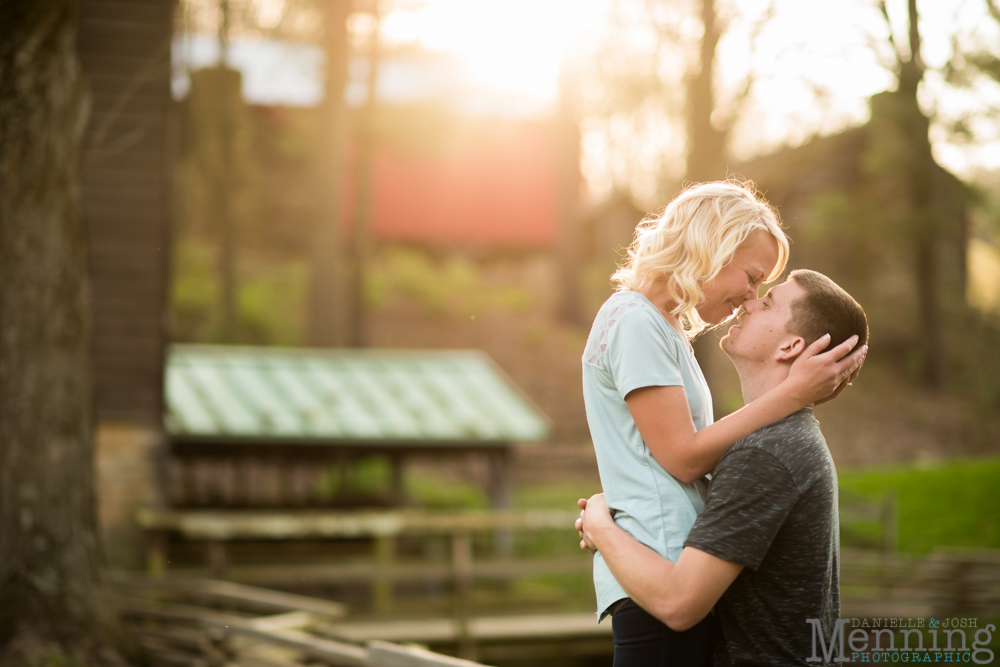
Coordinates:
(751,305)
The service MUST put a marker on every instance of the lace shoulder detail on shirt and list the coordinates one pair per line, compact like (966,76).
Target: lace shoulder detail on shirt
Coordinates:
(609,315)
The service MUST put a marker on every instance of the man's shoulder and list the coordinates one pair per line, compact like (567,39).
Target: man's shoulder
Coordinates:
(796,442)
(785,436)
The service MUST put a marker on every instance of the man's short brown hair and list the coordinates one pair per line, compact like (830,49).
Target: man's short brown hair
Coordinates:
(825,309)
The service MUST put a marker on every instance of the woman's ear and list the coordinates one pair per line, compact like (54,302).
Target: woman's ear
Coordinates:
(791,348)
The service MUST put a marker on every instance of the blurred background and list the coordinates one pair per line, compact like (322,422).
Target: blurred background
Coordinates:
(349,179)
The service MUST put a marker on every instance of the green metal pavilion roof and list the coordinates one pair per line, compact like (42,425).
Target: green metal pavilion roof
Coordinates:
(215,391)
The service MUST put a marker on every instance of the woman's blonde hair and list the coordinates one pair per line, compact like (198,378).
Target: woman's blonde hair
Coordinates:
(694,238)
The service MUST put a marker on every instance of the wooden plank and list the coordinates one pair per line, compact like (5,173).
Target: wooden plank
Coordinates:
(183,638)
(484,628)
(137,607)
(324,649)
(290,620)
(266,598)
(400,571)
(241,524)
(461,560)
(384,654)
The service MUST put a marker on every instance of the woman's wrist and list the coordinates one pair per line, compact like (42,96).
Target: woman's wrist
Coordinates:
(792,396)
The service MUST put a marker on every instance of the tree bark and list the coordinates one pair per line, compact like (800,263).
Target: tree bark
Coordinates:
(924,210)
(54,600)
(329,310)
(706,149)
(706,161)
(361,234)
(223,195)
(569,181)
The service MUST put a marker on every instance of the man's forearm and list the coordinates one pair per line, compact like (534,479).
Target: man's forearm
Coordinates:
(679,594)
(646,576)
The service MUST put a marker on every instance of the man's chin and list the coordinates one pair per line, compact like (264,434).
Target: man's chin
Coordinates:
(725,343)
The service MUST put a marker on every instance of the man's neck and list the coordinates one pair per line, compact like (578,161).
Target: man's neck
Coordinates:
(757,379)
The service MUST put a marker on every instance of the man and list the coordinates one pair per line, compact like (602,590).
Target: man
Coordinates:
(765,549)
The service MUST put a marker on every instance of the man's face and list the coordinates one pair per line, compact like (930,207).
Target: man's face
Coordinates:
(760,330)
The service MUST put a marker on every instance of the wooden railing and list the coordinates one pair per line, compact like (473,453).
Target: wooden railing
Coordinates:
(942,583)
(218,528)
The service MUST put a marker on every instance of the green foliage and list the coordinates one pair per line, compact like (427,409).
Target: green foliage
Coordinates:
(433,492)
(194,298)
(455,286)
(364,479)
(272,305)
(561,495)
(953,504)
(270,301)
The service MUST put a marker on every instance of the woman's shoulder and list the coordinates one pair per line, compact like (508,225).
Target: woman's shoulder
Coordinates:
(621,303)
(628,314)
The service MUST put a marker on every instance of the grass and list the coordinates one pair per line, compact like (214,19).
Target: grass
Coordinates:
(951,504)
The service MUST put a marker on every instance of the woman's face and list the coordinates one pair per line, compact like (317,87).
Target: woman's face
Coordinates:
(739,280)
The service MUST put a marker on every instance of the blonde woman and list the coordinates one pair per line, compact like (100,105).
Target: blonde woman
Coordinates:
(648,406)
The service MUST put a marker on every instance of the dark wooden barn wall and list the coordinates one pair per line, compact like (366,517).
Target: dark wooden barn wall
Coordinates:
(125,49)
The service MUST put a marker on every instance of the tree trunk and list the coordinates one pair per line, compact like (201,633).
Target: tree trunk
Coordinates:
(925,211)
(329,311)
(569,181)
(706,161)
(706,149)
(223,195)
(54,600)
(361,236)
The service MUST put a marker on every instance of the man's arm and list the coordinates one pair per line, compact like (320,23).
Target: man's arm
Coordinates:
(680,594)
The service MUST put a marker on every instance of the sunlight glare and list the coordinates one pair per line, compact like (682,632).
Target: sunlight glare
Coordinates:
(513,47)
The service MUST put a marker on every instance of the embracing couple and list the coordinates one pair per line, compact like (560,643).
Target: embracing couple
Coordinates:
(728,571)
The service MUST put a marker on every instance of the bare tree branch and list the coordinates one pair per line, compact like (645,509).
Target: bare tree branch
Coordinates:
(888,25)
(993,9)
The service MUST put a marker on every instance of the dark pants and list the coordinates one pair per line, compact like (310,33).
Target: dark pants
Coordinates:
(643,641)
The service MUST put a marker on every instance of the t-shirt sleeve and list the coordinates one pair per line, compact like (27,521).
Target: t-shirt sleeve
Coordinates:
(749,499)
(641,353)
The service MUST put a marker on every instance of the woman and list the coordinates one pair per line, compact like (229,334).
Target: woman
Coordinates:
(648,406)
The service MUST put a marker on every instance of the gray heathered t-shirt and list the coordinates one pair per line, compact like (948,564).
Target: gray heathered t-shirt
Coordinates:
(772,507)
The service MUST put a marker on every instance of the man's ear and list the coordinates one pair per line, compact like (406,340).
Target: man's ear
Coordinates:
(791,348)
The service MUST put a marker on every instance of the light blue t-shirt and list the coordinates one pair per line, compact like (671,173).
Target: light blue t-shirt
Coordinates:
(631,345)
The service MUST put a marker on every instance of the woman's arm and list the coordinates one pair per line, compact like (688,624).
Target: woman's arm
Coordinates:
(678,594)
(664,419)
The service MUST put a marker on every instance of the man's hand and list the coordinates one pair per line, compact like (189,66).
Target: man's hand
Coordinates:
(594,518)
